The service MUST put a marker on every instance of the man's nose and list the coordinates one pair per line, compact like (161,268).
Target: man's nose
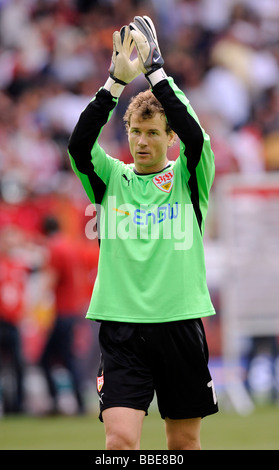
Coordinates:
(142,140)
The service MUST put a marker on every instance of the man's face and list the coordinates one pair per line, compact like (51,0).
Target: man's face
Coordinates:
(149,142)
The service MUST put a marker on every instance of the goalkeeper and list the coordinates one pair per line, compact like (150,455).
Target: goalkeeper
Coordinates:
(150,293)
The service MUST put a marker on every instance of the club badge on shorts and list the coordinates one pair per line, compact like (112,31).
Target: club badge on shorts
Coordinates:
(164,182)
(100,382)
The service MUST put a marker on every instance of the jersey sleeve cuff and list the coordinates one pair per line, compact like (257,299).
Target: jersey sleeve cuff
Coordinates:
(156,77)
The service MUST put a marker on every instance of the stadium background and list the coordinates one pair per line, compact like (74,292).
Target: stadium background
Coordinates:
(54,55)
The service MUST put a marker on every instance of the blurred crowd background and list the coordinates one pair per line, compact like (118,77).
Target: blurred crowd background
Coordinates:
(54,55)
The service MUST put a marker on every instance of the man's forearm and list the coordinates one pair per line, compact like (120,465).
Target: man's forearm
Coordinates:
(180,120)
(88,128)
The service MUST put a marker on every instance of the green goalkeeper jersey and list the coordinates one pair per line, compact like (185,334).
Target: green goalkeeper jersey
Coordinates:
(151,261)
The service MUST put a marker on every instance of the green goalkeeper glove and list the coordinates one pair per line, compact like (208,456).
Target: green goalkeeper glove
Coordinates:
(145,38)
(122,69)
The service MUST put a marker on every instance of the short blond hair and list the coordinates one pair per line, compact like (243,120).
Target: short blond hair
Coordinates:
(146,105)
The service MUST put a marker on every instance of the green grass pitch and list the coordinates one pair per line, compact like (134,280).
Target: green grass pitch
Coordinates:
(223,431)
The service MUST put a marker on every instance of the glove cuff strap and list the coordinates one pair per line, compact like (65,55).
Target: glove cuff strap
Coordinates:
(155,77)
(114,86)
(117,80)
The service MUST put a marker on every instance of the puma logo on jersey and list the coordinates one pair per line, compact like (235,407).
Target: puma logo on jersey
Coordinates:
(164,182)
(126,178)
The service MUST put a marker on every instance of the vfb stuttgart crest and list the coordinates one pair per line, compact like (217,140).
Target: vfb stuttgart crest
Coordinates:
(164,182)
(100,382)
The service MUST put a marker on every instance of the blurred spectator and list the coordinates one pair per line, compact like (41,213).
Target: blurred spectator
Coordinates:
(65,278)
(13,281)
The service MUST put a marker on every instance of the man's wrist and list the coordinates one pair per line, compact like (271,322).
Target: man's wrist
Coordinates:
(113,87)
(155,77)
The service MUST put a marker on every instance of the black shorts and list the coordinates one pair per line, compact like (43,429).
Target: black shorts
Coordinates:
(170,359)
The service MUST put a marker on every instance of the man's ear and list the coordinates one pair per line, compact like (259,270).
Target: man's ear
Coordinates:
(172,138)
